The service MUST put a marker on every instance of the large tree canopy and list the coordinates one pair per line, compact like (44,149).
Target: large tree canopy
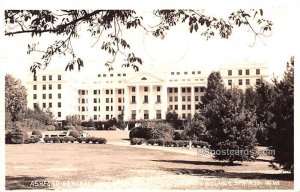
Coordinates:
(111,23)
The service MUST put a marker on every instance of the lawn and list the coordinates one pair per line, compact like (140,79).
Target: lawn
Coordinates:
(113,166)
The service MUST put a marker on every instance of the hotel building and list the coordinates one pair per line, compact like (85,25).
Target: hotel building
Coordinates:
(133,95)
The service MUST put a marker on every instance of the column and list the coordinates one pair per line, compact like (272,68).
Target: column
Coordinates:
(193,100)
(179,102)
(114,104)
(164,101)
(138,102)
(102,104)
(152,99)
(126,103)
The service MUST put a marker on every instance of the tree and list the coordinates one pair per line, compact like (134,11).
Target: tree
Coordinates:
(230,125)
(72,120)
(46,117)
(282,134)
(15,98)
(173,119)
(264,102)
(111,23)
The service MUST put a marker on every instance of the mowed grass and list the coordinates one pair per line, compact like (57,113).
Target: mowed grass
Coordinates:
(129,167)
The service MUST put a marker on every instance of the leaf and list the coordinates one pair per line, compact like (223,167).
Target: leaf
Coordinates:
(261,12)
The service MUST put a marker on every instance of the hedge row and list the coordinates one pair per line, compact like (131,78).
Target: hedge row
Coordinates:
(168,143)
(94,140)
(32,139)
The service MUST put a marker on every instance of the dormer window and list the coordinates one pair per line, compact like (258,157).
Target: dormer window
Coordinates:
(144,78)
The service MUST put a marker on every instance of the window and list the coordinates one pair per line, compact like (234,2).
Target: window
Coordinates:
(199,72)
(247,72)
(50,86)
(176,98)
(59,104)
(95,108)
(95,100)
(111,91)
(158,98)
(185,73)
(183,107)
(50,105)
(170,90)
(59,95)
(44,78)
(178,73)
(257,81)
(170,99)
(124,74)
(188,98)
(111,75)
(34,87)
(202,89)
(176,90)
(172,73)
(188,90)
(132,99)
(171,107)
(196,98)
(158,114)
(133,114)
(99,75)
(78,108)
(111,100)
(50,77)
(119,74)
(133,89)
(59,86)
(50,96)
(44,96)
(104,75)
(196,89)
(44,87)
(35,105)
(99,108)
(240,81)
(183,90)
(119,91)
(189,107)
(183,115)
(193,72)
(95,92)
(82,100)
(34,96)
(240,72)
(146,114)
(59,77)
(176,107)
(119,108)
(247,81)
(82,117)
(145,89)
(59,114)
(44,105)
(229,82)
(34,78)
(107,91)
(119,100)
(107,100)
(257,71)
(146,99)
(107,108)
(229,72)
(95,117)
(183,98)
(158,89)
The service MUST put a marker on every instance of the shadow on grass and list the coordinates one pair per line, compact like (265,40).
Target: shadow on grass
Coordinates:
(222,174)
(24,182)
(215,163)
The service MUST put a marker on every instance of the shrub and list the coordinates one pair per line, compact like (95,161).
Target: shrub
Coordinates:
(140,132)
(88,139)
(32,140)
(162,131)
(168,143)
(69,128)
(160,142)
(79,128)
(137,141)
(80,139)
(102,140)
(74,134)
(47,139)
(16,136)
(49,128)
(176,135)
(151,142)
(55,139)
(37,133)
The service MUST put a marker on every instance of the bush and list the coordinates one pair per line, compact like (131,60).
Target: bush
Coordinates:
(162,131)
(160,142)
(74,134)
(102,140)
(137,141)
(32,140)
(151,142)
(47,139)
(16,136)
(49,128)
(69,128)
(176,135)
(80,139)
(88,128)
(88,139)
(140,132)
(55,139)
(37,133)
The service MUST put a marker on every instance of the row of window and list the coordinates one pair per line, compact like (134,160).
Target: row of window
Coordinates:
(186,73)
(146,114)
(247,72)
(44,78)
(247,81)
(184,98)
(176,80)
(146,99)
(183,107)
(44,87)
(49,96)
(186,89)
(44,105)
(111,75)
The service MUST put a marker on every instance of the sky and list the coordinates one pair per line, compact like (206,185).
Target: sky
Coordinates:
(179,49)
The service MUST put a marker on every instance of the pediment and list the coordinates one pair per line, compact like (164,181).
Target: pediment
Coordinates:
(145,78)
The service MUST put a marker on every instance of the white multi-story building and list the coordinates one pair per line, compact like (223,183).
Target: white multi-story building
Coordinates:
(133,95)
